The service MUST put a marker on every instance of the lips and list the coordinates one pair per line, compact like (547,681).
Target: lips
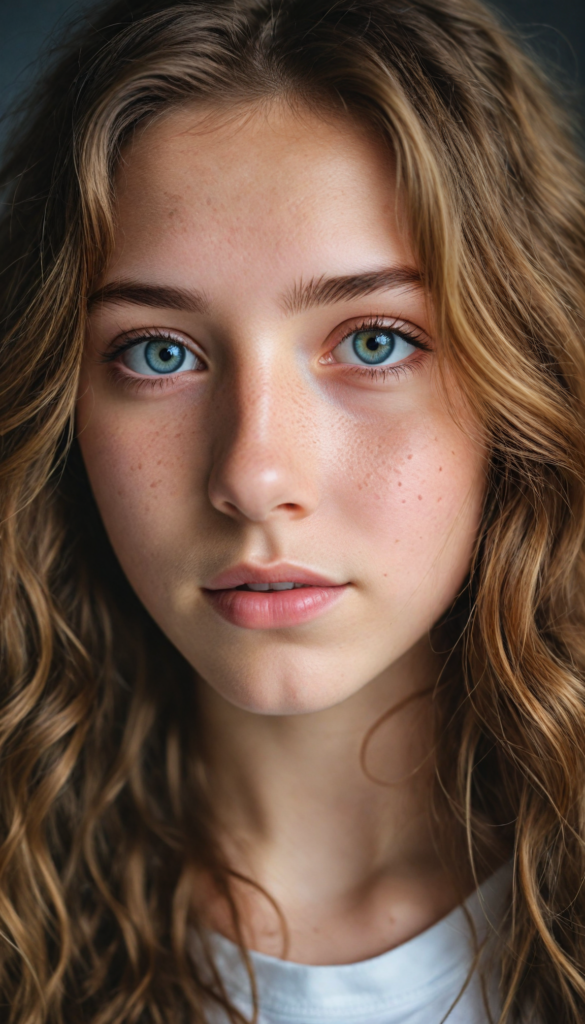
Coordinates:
(284,572)
(255,597)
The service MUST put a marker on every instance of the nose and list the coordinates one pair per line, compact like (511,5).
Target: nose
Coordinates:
(264,459)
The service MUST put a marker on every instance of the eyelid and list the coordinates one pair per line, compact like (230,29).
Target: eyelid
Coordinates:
(129,339)
(415,335)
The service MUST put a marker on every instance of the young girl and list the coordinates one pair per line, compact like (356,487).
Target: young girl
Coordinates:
(293,515)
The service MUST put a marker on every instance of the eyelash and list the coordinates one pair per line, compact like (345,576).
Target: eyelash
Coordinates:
(375,373)
(131,340)
(134,338)
(381,373)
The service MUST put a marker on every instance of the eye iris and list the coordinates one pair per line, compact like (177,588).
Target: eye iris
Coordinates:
(373,346)
(164,356)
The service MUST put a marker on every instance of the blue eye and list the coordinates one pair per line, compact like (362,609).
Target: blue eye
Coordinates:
(164,356)
(160,356)
(374,346)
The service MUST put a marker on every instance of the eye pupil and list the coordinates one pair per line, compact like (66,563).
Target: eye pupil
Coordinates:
(372,344)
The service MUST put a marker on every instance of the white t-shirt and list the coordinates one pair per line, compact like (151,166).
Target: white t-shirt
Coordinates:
(418,982)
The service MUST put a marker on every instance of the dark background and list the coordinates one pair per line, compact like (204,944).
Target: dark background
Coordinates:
(553,29)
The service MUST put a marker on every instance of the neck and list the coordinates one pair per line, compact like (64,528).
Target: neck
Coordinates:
(335,829)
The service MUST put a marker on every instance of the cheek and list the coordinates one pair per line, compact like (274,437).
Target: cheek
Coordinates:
(413,494)
(144,475)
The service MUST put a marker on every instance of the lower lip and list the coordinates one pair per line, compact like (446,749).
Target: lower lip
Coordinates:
(275,609)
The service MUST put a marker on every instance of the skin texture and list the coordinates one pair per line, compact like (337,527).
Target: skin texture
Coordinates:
(276,449)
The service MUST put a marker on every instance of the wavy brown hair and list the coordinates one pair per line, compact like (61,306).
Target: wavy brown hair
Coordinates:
(105,824)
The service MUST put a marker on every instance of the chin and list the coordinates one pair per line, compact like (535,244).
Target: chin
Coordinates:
(270,690)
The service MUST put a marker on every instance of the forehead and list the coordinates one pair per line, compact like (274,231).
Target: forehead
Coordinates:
(274,189)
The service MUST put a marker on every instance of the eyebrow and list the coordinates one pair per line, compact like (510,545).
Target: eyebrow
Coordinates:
(159,296)
(325,290)
(304,295)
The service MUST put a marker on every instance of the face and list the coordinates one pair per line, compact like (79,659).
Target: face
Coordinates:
(290,486)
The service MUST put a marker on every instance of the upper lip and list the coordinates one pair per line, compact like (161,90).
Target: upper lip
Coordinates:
(281,573)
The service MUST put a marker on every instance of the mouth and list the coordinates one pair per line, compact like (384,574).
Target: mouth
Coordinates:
(264,587)
(258,597)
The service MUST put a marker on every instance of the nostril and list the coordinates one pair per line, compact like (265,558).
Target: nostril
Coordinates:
(229,509)
(241,493)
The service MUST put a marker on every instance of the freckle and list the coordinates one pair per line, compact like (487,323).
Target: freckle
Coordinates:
(438,500)
(410,456)
(440,469)
(404,501)
(420,497)
(400,483)
(385,574)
